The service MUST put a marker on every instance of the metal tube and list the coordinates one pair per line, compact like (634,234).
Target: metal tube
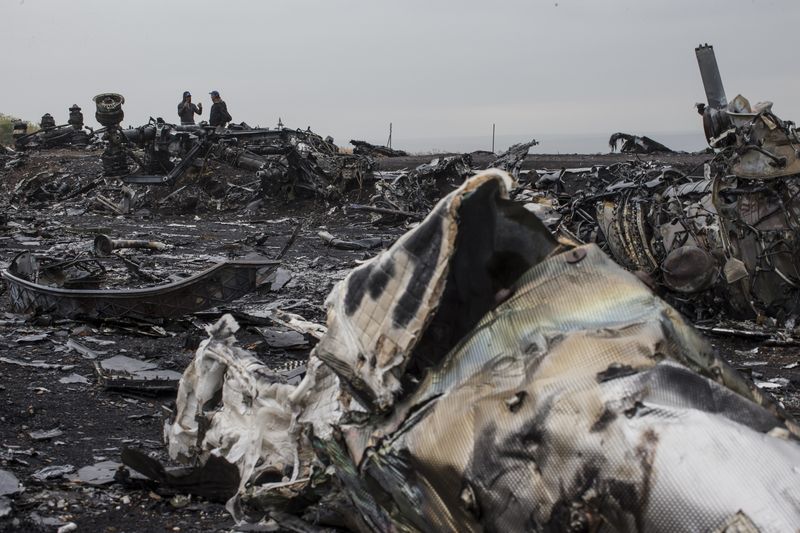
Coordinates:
(712,81)
(104,245)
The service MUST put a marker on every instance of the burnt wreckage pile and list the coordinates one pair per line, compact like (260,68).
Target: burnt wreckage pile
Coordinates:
(280,163)
(290,162)
(724,238)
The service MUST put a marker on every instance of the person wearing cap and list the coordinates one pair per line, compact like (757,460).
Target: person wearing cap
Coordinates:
(219,115)
(186,109)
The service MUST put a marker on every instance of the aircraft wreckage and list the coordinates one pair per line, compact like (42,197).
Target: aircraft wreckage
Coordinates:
(505,364)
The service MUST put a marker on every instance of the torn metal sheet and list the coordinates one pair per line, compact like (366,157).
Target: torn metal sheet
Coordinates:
(127,374)
(73,378)
(634,144)
(213,286)
(259,434)
(84,351)
(367,243)
(45,434)
(216,480)
(283,339)
(480,375)
(101,473)
(35,364)
(52,472)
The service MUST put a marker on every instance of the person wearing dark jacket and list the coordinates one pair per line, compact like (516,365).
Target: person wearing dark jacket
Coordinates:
(187,110)
(219,115)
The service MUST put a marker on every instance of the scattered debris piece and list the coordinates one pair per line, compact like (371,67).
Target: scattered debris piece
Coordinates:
(104,245)
(35,364)
(9,484)
(281,278)
(283,339)
(73,378)
(368,243)
(85,351)
(31,339)
(101,473)
(216,480)
(127,374)
(128,365)
(52,472)
(45,434)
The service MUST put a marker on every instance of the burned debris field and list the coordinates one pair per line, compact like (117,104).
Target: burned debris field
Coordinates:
(235,328)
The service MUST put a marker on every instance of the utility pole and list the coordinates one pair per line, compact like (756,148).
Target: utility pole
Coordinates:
(492,137)
(389,144)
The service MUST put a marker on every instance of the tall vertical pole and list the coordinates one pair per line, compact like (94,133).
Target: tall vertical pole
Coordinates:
(492,137)
(390,135)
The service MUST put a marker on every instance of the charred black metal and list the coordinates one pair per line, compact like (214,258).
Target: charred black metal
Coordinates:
(47,121)
(417,191)
(372,150)
(36,286)
(290,162)
(75,117)
(715,119)
(110,114)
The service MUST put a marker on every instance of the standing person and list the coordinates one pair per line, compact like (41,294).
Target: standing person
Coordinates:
(186,109)
(219,115)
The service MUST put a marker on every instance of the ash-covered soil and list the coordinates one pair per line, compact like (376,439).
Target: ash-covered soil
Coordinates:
(94,424)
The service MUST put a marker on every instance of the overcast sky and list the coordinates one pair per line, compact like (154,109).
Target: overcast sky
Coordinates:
(437,70)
